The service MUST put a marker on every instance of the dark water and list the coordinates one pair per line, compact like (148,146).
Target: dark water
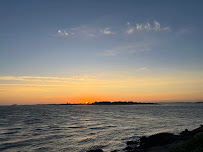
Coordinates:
(79,128)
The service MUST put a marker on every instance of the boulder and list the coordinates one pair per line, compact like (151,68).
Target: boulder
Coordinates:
(157,139)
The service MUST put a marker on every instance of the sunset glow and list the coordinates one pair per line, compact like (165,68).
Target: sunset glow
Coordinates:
(76,90)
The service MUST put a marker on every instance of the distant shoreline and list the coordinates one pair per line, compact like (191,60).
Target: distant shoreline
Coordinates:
(111,103)
(120,103)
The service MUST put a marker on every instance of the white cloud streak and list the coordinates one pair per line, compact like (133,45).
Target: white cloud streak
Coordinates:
(50,79)
(144,69)
(92,32)
(130,49)
(107,31)
(148,27)
(130,30)
(62,33)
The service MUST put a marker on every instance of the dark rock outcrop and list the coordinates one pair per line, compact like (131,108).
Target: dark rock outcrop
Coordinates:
(156,140)
(160,139)
(132,143)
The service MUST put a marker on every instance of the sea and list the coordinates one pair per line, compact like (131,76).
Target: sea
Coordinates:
(78,128)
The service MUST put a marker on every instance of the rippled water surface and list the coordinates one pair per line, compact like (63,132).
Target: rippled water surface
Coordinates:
(79,128)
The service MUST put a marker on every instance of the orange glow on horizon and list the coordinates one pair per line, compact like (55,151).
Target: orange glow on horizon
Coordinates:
(53,90)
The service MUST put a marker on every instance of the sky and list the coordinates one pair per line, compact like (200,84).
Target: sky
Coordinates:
(77,51)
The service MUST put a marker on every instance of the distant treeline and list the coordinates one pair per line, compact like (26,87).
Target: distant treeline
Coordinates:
(120,103)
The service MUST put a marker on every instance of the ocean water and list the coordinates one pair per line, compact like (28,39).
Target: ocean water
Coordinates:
(78,128)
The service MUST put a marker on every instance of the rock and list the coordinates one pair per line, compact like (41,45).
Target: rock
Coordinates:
(114,151)
(162,141)
(128,148)
(184,135)
(197,130)
(157,139)
(132,143)
(143,140)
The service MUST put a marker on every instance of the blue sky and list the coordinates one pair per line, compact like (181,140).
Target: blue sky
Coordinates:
(31,42)
(110,38)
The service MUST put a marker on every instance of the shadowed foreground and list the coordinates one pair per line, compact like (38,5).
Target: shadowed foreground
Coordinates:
(186,141)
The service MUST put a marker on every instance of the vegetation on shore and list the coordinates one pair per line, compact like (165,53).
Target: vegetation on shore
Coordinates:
(193,145)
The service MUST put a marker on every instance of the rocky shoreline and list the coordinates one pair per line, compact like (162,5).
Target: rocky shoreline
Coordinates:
(166,142)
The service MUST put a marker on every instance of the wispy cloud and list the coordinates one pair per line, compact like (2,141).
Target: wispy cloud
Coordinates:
(143,69)
(92,31)
(62,33)
(184,31)
(112,52)
(128,23)
(130,30)
(147,27)
(107,30)
(156,26)
(49,79)
(139,27)
(85,31)
(81,31)
(129,49)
